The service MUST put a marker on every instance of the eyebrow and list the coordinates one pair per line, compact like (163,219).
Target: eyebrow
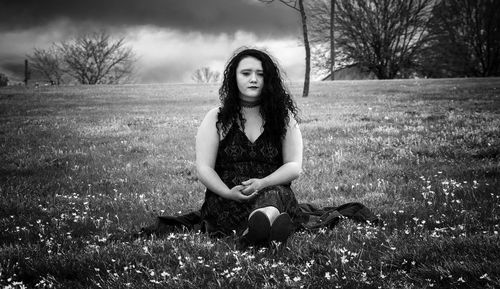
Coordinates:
(250,69)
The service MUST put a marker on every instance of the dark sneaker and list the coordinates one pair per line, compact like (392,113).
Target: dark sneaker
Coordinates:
(258,228)
(282,228)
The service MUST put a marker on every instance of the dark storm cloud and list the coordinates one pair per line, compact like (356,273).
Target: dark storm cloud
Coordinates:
(13,67)
(191,15)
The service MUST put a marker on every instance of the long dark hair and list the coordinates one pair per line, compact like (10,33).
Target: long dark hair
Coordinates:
(276,103)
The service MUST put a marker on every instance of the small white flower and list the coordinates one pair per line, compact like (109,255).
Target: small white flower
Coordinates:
(328,276)
(344,259)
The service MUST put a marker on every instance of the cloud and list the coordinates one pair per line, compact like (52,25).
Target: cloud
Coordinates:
(172,55)
(163,55)
(15,45)
(211,16)
(171,38)
(17,42)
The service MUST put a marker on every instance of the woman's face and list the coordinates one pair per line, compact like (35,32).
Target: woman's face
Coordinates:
(250,78)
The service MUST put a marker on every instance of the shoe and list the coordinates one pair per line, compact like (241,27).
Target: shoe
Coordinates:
(281,228)
(259,228)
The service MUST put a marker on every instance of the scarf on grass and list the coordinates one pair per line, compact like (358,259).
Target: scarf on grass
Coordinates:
(313,218)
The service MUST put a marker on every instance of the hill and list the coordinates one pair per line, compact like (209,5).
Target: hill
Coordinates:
(83,167)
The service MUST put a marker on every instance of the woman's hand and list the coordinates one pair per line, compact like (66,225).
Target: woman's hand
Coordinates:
(236,194)
(252,186)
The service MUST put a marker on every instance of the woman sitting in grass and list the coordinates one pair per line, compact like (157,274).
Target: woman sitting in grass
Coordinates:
(248,151)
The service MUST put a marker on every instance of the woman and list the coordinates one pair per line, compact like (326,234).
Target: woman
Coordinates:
(248,151)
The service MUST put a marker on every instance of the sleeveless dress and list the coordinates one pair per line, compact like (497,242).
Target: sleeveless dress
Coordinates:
(238,159)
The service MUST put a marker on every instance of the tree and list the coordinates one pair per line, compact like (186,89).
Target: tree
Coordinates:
(322,59)
(466,39)
(49,63)
(383,35)
(205,75)
(298,5)
(4,80)
(322,33)
(332,40)
(96,59)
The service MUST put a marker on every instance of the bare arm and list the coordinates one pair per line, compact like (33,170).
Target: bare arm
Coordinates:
(292,147)
(207,144)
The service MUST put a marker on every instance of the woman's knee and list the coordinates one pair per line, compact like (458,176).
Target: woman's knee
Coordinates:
(271,212)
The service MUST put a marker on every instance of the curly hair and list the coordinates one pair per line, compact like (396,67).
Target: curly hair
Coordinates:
(276,105)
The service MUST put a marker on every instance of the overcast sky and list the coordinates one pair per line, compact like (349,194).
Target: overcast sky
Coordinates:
(171,38)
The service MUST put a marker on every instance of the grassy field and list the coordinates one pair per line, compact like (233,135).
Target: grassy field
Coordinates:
(82,165)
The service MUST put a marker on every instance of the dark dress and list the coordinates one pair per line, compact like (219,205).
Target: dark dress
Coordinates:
(238,159)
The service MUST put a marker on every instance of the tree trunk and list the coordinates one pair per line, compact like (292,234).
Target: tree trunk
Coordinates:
(305,93)
(26,72)
(332,42)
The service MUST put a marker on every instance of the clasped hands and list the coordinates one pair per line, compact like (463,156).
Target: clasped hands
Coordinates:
(247,190)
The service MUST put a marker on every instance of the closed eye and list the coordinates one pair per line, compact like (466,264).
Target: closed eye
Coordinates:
(248,72)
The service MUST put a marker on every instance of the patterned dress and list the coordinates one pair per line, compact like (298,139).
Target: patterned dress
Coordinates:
(238,159)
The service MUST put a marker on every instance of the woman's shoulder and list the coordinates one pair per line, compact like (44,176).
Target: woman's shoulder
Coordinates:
(214,110)
(212,114)
(292,122)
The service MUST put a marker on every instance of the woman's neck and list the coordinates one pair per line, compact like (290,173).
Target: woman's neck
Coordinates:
(249,104)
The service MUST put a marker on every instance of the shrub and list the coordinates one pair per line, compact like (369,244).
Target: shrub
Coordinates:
(4,80)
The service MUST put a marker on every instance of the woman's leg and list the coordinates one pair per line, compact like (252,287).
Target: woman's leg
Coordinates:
(269,225)
(259,225)
(270,211)
(273,219)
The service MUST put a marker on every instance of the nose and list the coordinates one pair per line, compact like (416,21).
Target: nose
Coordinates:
(253,77)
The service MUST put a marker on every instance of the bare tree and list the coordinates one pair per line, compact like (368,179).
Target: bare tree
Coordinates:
(466,38)
(205,75)
(298,5)
(322,60)
(322,30)
(49,63)
(96,58)
(383,35)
